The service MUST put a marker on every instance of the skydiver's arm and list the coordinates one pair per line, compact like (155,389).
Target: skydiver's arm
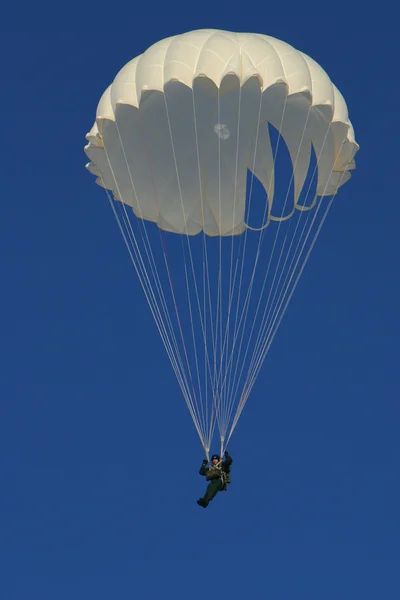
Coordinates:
(203,468)
(228,459)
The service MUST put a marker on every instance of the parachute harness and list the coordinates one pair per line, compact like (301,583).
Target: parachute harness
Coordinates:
(224,477)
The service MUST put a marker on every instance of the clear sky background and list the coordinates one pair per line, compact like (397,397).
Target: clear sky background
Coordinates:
(99,458)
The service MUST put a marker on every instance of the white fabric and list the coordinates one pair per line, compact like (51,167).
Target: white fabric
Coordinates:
(180,126)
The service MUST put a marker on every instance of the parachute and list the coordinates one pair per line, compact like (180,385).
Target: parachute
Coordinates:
(220,154)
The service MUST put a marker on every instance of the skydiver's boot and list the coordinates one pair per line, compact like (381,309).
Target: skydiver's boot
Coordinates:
(202,502)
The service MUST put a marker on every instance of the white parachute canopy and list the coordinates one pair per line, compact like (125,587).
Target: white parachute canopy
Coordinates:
(175,138)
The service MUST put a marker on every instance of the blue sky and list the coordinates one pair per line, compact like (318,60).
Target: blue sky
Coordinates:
(99,458)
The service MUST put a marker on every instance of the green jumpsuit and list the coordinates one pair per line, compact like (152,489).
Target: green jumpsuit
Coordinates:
(216,475)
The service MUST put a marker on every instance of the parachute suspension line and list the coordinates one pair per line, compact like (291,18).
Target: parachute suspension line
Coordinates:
(196,419)
(166,260)
(224,335)
(194,338)
(220,297)
(204,267)
(286,300)
(206,292)
(213,418)
(261,235)
(224,425)
(221,399)
(227,379)
(263,337)
(218,315)
(167,264)
(204,317)
(232,381)
(278,316)
(262,328)
(127,224)
(242,261)
(217,415)
(269,316)
(227,375)
(217,404)
(186,275)
(181,375)
(134,253)
(246,306)
(149,252)
(217,336)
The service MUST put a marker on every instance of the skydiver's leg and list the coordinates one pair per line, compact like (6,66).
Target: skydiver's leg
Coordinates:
(212,490)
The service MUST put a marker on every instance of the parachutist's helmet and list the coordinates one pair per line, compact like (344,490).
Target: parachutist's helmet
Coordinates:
(215,456)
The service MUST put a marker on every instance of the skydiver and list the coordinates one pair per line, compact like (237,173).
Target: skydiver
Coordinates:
(218,476)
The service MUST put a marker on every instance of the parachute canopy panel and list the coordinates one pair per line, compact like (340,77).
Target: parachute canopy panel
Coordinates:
(181,125)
